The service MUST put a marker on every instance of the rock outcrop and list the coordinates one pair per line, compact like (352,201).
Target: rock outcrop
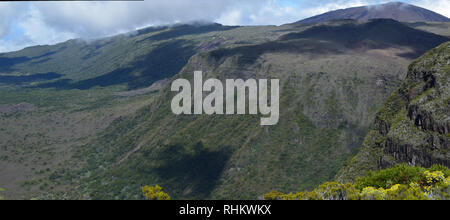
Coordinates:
(413,126)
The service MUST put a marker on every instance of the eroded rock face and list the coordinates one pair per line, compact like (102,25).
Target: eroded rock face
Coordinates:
(425,120)
(413,126)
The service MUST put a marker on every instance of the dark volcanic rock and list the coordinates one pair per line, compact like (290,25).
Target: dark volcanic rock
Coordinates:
(394,10)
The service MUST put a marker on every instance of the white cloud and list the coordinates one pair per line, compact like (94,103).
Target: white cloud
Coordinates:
(93,19)
(440,6)
(52,22)
(33,31)
(37,30)
(321,7)
(232,18)
(273,13)
(9,11)
(333,6)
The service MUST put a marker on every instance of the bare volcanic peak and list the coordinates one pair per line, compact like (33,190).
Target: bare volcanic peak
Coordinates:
(395,10)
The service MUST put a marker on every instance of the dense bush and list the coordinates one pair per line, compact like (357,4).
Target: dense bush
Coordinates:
(154,193)
(401,182)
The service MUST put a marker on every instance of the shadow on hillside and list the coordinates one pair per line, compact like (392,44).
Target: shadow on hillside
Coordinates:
(29,78)
(375,34)
(195,172)
(248,55)
(162,62)
(6,63)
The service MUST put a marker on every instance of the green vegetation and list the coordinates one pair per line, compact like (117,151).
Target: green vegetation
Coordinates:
(1,190)
(401,182)
(400,174)
(412,126)
(136,60)
(41,142)
(69,90)
(154,193)
(325,100)
(69,133)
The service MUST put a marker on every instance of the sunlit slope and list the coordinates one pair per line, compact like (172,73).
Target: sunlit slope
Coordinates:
(72,120)
(330,92)
(55,99)
(136,59)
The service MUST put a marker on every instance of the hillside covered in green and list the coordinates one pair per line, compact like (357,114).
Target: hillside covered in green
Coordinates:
(92,119)
(413,126)
(328,100)
(55,99)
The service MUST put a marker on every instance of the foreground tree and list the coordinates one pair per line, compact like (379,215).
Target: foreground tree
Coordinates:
(154,193)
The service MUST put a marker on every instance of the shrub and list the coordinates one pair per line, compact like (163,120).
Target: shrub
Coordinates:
(400,174)
(274,195)
(334,191)
(371,193)
(154,193)
(398,183)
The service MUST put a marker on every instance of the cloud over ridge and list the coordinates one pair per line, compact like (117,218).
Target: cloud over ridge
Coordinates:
(31,23)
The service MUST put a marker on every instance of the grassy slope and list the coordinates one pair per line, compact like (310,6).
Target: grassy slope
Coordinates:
(330,93)
(50,145)
(136,59)
(39,146)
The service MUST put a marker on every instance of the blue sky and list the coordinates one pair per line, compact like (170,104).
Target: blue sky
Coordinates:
(36,23)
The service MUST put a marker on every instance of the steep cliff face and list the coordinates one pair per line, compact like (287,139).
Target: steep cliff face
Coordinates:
(413,126)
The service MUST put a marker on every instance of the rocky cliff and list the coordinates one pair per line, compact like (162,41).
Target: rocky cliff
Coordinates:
(413,126)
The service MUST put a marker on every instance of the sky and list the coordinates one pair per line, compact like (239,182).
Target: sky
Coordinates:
(24,24)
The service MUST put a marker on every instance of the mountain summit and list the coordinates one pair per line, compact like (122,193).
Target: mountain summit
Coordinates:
(395,10)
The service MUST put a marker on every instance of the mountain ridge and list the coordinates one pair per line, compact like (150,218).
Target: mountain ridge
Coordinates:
(395,10)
